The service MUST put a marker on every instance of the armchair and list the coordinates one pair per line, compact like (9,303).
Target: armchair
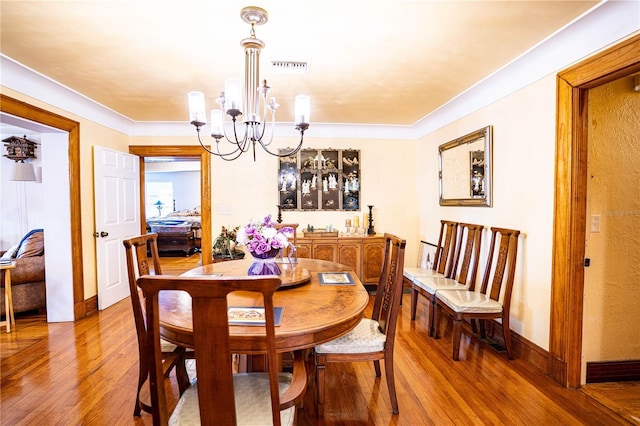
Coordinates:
(28,277)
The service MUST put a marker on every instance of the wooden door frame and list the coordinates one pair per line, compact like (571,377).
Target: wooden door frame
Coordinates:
(29,112)
(206,241)
(570,203)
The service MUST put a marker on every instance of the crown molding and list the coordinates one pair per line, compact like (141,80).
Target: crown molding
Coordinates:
(29,82)
(605,24)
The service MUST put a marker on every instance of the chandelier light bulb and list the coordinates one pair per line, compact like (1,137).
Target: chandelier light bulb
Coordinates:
(217,130)
(197,114)
(232,96)
(302,110)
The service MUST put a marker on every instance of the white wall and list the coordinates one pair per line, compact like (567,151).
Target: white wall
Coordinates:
(186,188)
(21,203)
(57,224)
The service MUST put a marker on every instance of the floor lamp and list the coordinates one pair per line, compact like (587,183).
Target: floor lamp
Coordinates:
(22,172)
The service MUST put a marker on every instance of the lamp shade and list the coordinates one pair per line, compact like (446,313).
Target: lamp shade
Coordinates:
(302,109)
(23,172)
(196,108)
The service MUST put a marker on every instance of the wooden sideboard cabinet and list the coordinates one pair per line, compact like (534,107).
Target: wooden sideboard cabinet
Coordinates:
(363,254)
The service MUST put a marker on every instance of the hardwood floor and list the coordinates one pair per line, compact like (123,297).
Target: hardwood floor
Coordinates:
(86,372)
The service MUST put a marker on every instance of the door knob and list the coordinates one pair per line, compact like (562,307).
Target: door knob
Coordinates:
(101,234)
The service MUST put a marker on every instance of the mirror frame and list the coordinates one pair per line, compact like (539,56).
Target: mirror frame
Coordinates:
(485,133)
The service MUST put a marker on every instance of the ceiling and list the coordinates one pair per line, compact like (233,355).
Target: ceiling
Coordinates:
(370,62)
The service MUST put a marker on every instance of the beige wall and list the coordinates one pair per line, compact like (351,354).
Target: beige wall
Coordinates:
(249,189)
(612,282)
(523,178)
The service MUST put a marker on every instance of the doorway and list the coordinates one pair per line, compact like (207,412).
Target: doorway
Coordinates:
(573,84)
(181,152)
(77,308)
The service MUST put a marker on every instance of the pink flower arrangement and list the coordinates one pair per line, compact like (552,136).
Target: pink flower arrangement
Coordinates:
(262,238)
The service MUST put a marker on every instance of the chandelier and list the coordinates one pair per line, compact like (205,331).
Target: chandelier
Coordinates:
(253,95)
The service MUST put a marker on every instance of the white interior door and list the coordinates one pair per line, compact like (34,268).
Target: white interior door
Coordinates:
(117,217)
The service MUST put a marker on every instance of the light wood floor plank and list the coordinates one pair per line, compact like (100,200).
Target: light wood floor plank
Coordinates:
(85,373)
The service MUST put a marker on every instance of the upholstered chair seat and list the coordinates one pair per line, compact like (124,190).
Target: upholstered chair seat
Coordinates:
(366,337)
(432,285)
(252,401)
(469,301)
(412,274)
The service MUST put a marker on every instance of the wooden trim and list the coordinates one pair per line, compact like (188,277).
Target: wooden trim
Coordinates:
(32,113)
(522,348)
(206,242)
(613,371)
(91,305)
(565,337)
(605,66)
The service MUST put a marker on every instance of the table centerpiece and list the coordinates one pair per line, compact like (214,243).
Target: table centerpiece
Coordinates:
(263,241)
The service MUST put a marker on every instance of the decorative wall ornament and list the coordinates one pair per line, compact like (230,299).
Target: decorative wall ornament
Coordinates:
(20,149)
(320,179)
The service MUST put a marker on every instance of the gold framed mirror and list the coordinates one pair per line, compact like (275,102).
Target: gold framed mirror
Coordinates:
(465,169)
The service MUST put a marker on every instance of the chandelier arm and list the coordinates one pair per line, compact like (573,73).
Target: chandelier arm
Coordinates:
(224,156)
(264,126)
(227,157)
(264,123)
(288,153)
(242,144)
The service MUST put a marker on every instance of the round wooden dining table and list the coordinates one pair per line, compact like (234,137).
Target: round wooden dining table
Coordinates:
(313,312)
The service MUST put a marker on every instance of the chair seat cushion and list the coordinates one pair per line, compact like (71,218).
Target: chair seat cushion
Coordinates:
(253,402)
(469,302)
(414,273)
(366,337)
(434,284)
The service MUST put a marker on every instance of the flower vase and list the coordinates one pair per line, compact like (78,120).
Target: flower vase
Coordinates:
(264,264)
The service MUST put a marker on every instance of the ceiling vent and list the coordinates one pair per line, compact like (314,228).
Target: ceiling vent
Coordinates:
(290,67)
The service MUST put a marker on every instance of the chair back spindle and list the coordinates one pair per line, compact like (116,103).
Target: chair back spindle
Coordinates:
(468,256)
(444,259)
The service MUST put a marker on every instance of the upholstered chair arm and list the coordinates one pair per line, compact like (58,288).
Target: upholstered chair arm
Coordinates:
(28,269)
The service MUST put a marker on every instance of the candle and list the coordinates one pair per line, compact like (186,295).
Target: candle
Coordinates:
(365,220)
(356,221)
(347,223)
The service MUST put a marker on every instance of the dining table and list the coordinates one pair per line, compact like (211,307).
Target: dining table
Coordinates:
(320,301)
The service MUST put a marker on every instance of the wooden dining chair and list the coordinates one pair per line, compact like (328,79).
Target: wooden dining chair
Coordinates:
(493,300)
(373,338)
(220,397)
(465,271)
(139,263)
(443,264)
